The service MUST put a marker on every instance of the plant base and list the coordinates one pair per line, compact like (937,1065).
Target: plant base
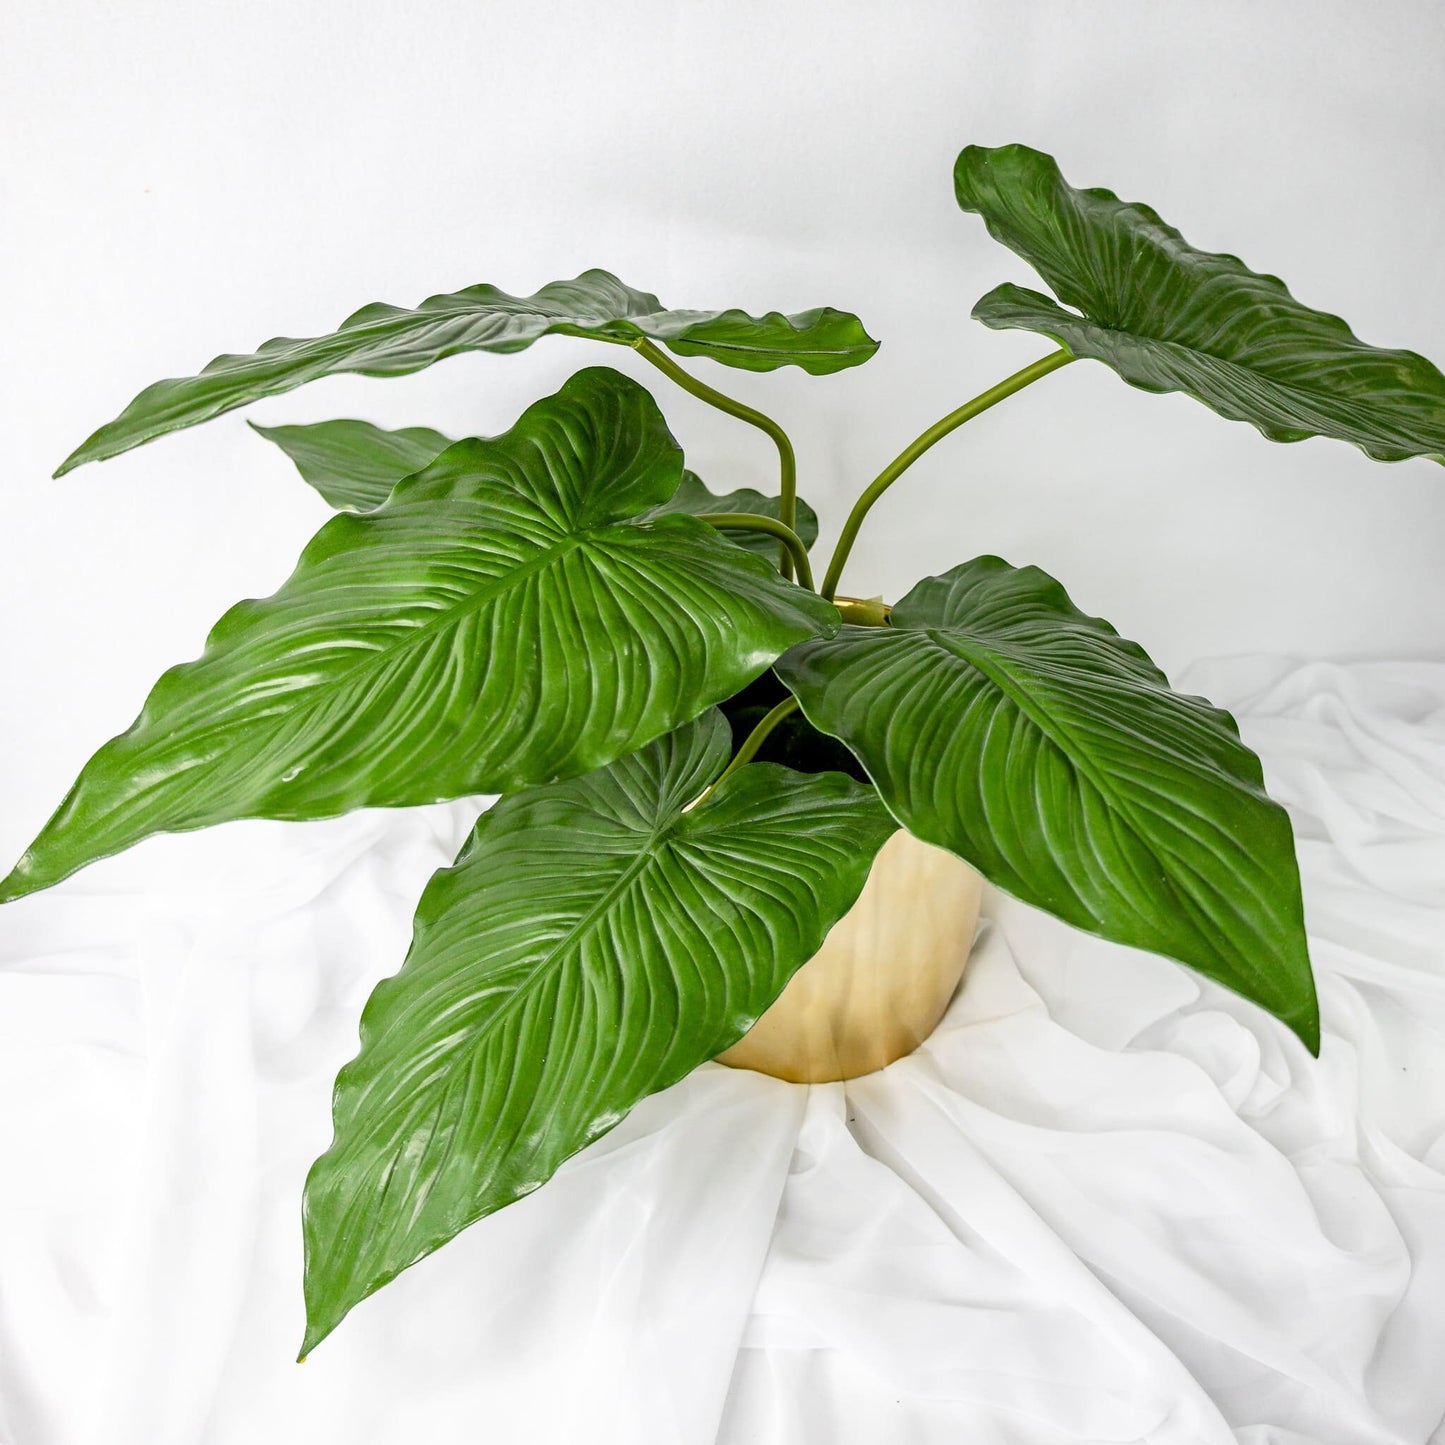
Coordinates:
(883,977)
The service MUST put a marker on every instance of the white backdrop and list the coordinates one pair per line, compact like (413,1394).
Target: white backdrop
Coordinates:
(180,180)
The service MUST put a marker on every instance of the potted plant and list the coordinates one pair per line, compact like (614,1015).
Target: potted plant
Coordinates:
(701,750)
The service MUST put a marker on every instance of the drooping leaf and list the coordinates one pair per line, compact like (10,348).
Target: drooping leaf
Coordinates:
(499,621)
(1168,317)
(354,464)
(999,721)
(383,340)
(593,944)
(694,498)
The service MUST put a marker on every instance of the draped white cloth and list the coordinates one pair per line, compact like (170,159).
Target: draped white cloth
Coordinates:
(1108,1201)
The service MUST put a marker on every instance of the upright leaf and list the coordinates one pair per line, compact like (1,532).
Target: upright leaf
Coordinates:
(593,944)
(999,721)
(354,464)
(1168,317)
(382,340)
(503,619)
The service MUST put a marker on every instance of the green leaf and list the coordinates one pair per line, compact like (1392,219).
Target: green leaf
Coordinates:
(500,621)
(593,944)
(694,498)
(1000,722)
(382,340)
(353,464)
(1167,317)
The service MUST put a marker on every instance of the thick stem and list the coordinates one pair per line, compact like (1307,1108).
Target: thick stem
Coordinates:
(788,463)
(749,750)
(752,522)
(916,449)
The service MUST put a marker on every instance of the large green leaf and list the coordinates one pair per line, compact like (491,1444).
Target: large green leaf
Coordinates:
(1000,722)
(1169,318)
(499,621)
(694,498)
(593,944)
(354,464)
(385,340)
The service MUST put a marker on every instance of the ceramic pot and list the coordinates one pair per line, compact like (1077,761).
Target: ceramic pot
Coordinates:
(883,977)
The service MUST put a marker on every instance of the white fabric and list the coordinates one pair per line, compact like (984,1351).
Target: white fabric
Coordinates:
(1107,1202)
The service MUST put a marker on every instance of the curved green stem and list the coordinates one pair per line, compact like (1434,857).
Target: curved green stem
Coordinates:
(789,465)
(752,522)
(916,449)
(749,749)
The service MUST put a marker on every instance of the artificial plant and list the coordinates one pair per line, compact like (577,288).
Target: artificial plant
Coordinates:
(700,751)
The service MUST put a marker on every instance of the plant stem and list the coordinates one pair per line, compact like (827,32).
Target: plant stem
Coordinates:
(921,444)
(752,522)
(863,611)
(789,466)
(749,750)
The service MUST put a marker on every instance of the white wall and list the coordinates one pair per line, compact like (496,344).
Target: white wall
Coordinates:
(184,179)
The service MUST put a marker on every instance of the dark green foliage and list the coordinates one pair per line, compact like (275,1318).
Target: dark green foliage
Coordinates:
(549,614)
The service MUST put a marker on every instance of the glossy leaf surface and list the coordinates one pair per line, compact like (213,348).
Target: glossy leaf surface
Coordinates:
(354,464)
(999,721)
(499,621)
(694,498)
(1168,317)
(593,944)
(383,340)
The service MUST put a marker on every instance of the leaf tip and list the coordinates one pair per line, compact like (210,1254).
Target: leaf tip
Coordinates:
(99,445)
(14,884)
(1307,1030)
(316,1331)
(963,166)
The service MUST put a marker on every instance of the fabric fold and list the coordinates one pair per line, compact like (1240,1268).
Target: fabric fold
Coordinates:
(1108,1200)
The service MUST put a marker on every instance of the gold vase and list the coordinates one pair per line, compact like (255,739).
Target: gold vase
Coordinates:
(883,977)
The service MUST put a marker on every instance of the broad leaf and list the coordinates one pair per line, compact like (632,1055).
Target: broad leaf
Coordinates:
(385,340)
(1167,317)
(498,622)
(694,498)
(353,464)
(593,944)
(1002,723)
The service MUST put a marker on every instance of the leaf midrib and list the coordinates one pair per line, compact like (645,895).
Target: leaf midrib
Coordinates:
(369,660)
(1059,734)
(651,852)
(643,322)
(1196,906)
(386,329)
(1327,398)
(448,617)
